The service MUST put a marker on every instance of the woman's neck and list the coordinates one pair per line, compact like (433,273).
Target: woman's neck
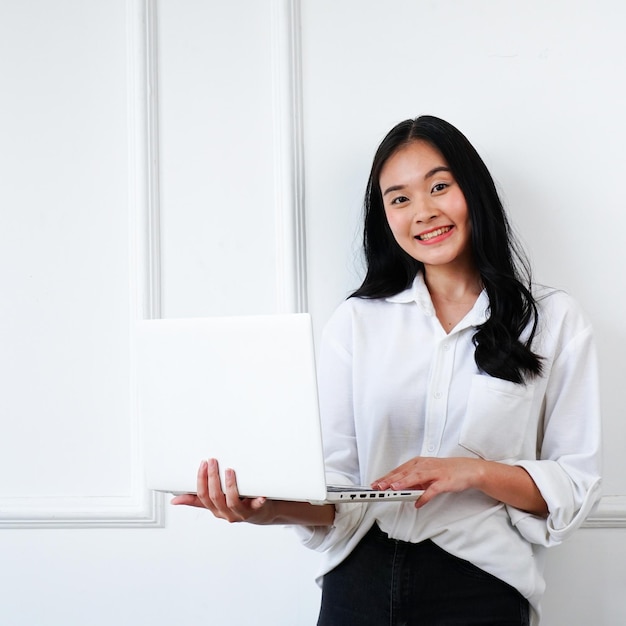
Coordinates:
(453,284)
(453,293)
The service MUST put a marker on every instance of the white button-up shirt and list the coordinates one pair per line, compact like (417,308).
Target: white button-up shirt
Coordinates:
(394,385)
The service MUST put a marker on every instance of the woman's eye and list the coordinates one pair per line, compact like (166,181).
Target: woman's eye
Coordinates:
(439,187)
(400,200)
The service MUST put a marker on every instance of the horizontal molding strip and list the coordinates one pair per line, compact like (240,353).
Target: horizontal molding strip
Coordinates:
(83,512)
(610,513)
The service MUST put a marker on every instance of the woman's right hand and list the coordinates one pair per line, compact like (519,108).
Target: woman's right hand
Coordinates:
(225,502)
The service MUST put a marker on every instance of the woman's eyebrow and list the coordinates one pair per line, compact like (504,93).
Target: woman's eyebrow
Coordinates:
(435,170)
(393,188)
(429,174)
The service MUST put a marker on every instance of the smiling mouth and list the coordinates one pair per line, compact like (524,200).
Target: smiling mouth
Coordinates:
(434,233)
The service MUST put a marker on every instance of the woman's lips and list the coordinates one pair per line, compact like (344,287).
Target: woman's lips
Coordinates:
(432,234)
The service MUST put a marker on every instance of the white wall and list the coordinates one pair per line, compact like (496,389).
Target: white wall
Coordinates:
(216,157)
(155,158)
(64,246)
(536,86)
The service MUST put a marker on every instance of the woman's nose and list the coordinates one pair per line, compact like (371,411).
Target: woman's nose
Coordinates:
(424,211)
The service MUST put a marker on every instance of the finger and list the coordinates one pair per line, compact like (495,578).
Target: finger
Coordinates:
(422,478)
(423,500)
(241,507)
(408,481)
(391,480)
(257,503)
(209,488)
(397,474)
(228,503)
(384,481)
(414,480)
(202,488)
(233,500)
(188,499)
(216,500)
(429,493)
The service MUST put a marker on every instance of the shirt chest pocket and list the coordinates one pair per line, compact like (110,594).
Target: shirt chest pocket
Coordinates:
(496,419)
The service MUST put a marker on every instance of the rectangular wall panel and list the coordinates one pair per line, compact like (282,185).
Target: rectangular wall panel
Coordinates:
(216,142)
(533,87)
(69,447)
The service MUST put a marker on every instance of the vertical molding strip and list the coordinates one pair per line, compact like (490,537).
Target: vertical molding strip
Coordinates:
(291,282)
(148,101)
(141,508)
(145,223)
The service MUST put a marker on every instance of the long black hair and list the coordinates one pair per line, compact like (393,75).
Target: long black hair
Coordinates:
(505,272)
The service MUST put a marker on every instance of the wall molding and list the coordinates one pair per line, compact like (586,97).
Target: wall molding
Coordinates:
(143,510)
(289,193)
(291,273)
(139,508)
(610,513)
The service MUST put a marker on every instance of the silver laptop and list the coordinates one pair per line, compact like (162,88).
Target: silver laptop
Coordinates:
(242,390)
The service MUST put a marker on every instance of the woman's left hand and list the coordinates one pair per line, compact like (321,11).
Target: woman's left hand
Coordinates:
(507,483)
(433,475)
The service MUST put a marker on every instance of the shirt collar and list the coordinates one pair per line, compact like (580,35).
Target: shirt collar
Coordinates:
(418,292)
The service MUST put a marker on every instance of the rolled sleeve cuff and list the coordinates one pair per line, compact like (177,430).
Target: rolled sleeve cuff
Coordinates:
(322,538)
(567,510)
(347,518)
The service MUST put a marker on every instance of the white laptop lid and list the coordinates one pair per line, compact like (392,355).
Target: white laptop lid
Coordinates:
(239,389)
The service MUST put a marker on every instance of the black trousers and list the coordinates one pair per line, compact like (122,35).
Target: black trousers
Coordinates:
(385,582)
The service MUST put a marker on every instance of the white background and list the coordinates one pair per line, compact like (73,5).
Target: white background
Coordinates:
(168,158)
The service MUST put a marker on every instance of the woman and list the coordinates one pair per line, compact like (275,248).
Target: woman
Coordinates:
(445,371)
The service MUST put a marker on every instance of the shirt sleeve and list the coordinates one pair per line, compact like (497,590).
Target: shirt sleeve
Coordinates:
(567,471)
(338,431)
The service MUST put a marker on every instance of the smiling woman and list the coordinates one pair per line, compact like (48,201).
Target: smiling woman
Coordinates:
(448,307)
(443,372)
(427,176)
(426,209)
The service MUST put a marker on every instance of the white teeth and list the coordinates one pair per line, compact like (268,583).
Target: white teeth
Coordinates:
(434,233)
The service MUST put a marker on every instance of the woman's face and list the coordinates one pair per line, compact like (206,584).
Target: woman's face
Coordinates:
(425,207)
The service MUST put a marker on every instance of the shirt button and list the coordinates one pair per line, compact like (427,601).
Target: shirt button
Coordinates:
(431,448)
(446,346)
(438,395)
